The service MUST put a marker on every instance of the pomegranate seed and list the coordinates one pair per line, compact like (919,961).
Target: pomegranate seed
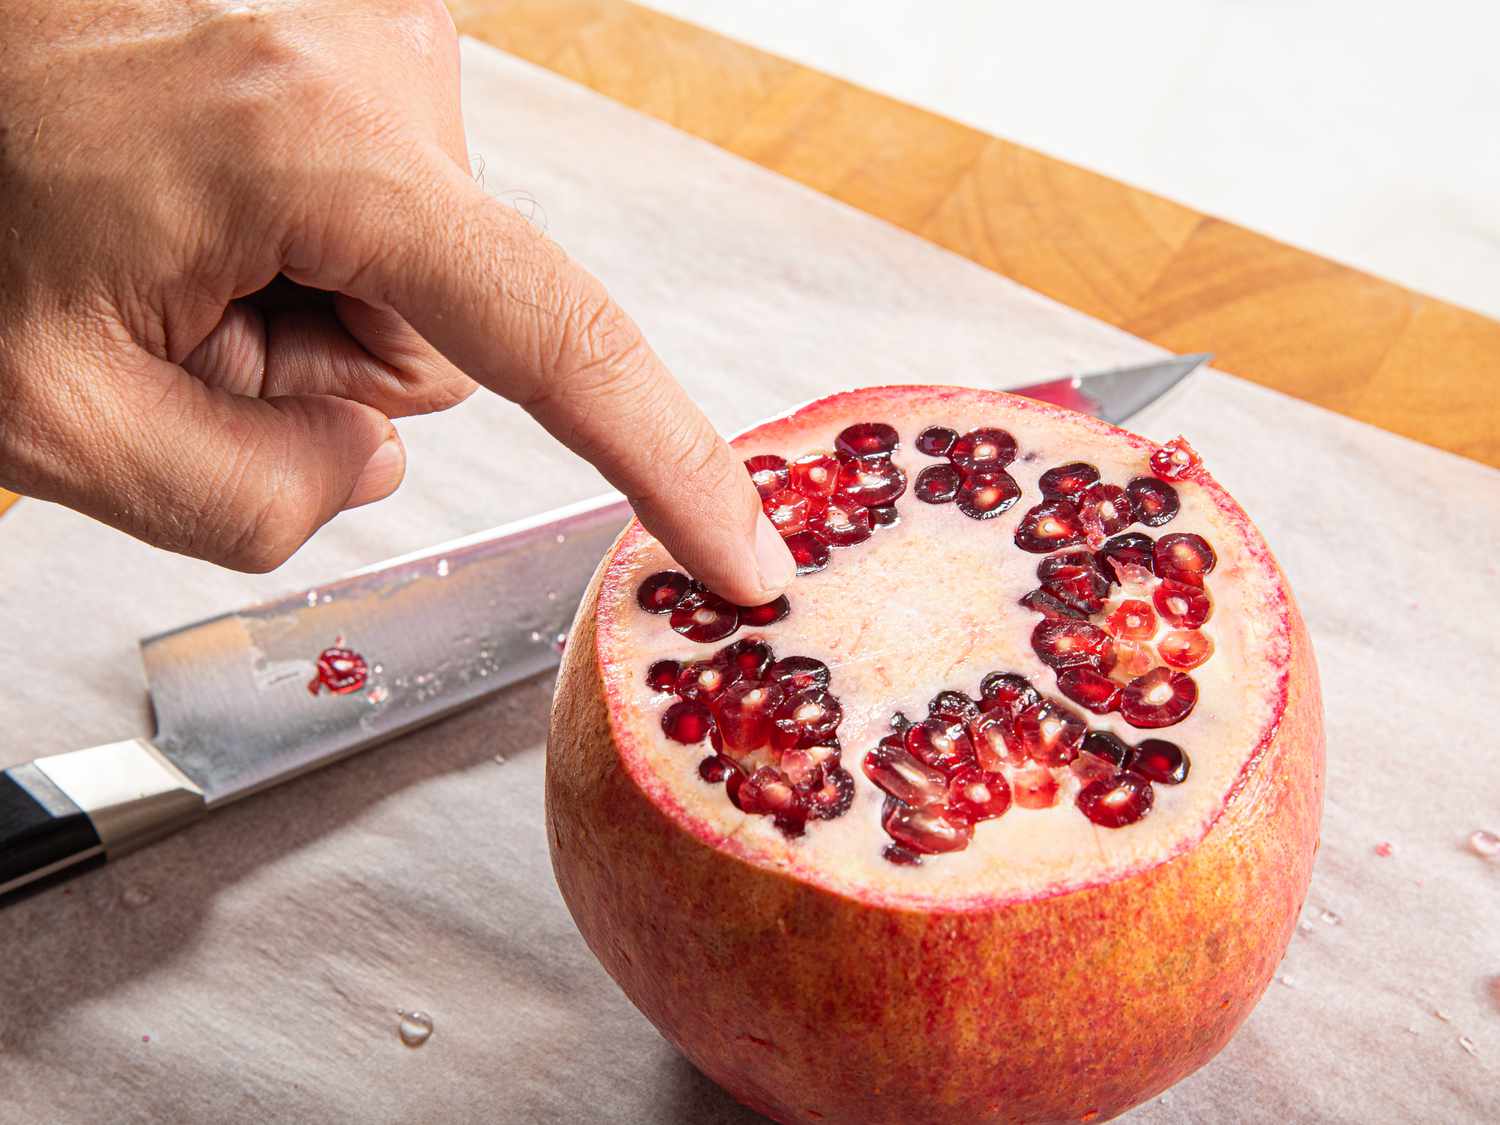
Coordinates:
(705,617)
(1090,689)
(987,493)
(686,721)
(1183,605)
(1007,693)
(1065,482)
(1088,768)
(798,673)
(935,441)
(976,795)
(767,792)
(866,439)
(341,670)
(1132,620)
(845,525)
(742,713)
(940,743)
(869,482)
(715,767)
(1159,698)
(927,830)
(895,771)
(938,484)
(1161,761)
(704,680)
(901,857)
(1132,659)
(815,475)
(1074,578)
(662,676)
(953,707)
(1049,526)
(759,616)
(749,658)
(1108,507)
(1185,648)
(662,591)
(1049,734)
(788,510)
(768,472)
(1102,744)
(1044,603)
(1184,557)
(985,448)
(1067,644)
(1176,460)
(991,735)
(1132,549)
(809,551)
(807,718)
(1034,788)
(1155,501)
(804,768)
(832,798)
(884,515)
(1114,802)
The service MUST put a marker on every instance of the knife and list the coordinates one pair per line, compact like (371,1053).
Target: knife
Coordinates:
(252,698)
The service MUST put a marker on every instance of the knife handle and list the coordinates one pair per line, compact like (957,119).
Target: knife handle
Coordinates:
(67,813)
(44,837)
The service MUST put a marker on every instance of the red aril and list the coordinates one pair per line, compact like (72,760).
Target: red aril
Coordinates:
(871,481)
(1182,605)
(1034,857)
(769,472)
(815,475)
(788,510)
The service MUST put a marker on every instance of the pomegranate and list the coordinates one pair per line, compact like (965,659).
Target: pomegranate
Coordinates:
(1006,815)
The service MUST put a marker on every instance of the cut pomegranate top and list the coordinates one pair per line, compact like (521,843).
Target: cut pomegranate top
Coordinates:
(1035,667)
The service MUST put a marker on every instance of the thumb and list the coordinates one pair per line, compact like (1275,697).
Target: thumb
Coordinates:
(238,481)
(509,308)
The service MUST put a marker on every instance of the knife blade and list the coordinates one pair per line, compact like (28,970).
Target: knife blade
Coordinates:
(251,698)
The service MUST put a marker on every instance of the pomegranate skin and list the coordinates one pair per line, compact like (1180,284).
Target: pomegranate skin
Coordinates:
(1052,1007)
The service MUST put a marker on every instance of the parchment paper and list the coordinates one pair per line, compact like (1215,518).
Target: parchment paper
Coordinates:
(249,969)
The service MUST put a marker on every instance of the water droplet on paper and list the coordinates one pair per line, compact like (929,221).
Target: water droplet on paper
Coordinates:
(378,695)
(1485,843)
(312,598)
(415,1027)
(1410,1030)
(327,598)
(442,568)
(535,636)
(552,595)
(560,641)
(1305,926)
(1330,918)
(136,896)
(500,759)
(1468,1045)
(1383,849)
(1442,1015)
(1286,981)
(561,538)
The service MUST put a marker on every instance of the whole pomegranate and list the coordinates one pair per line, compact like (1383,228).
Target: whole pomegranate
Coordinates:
(1004,813)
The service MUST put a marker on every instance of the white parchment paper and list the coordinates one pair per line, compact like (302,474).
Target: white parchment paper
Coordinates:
(249,969)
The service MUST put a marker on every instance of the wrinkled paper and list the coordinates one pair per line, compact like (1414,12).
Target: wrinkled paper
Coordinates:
(250,968)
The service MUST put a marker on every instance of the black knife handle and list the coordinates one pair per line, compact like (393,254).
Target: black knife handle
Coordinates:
(44,836)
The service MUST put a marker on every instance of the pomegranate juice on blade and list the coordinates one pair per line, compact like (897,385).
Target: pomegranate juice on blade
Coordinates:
(1005,812)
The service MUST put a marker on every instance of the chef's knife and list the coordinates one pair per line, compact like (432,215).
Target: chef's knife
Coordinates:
(249,699)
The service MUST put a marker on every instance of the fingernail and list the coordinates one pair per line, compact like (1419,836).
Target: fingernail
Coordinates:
(381,475)
(772,559)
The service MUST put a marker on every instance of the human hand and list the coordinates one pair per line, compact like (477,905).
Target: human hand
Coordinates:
(236,239)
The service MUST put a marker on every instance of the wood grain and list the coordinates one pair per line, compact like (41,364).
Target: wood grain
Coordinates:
(1280,316)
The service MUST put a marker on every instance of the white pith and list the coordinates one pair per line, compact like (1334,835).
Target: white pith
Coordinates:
(931,604)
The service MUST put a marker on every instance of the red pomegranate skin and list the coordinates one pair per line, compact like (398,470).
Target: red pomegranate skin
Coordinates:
(808,1005)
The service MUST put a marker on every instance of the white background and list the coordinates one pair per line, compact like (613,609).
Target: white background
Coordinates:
(1368,132)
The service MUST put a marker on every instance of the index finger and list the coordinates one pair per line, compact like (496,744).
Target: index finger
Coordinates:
(508,307)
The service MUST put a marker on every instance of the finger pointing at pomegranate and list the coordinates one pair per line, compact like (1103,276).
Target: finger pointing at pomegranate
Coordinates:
(508,306)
